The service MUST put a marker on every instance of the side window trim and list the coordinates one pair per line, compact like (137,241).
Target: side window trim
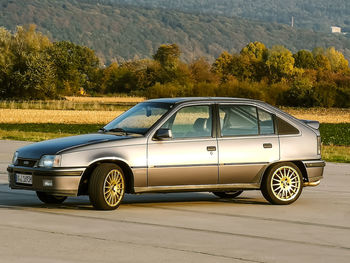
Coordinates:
(258,119)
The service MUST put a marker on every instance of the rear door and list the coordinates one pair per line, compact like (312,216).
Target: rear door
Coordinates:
(247,142)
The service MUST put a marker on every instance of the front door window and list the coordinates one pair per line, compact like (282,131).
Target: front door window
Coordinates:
(190,122)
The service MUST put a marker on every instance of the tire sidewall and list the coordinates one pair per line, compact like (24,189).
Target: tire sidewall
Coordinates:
(96,186)
(267,189)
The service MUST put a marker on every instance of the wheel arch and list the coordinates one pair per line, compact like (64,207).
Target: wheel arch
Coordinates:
(298,163)
(128,174)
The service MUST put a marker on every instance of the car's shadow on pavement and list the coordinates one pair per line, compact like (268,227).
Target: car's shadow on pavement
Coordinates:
(147,200)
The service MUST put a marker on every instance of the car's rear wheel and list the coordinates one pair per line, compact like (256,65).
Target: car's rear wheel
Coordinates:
(50,199)
(107,186)
(231,194)
(282,184)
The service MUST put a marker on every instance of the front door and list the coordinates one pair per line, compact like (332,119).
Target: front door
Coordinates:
(190,157)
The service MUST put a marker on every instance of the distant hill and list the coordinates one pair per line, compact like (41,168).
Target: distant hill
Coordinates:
(318,15)
(120,31)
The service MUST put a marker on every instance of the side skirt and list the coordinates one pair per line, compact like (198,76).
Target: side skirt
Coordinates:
(196,188)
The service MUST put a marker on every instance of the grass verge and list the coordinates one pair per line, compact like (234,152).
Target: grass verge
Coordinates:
(339,154)
(335,133)
(43,131)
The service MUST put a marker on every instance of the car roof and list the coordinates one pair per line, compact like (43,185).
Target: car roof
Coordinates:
(195,99)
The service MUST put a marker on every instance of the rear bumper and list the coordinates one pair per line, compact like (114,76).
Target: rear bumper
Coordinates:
(314,169)
(64,181)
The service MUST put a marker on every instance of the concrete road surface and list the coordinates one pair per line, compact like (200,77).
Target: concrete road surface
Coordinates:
(191,227)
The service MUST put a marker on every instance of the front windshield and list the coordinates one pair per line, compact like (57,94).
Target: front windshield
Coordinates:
(139,118)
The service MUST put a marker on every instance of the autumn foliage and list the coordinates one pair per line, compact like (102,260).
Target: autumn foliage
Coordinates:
(33,67)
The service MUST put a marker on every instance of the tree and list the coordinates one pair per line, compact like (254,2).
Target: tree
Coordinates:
(322,62)
(76,67)
(336,59)
(280,62)
(201,72)
(168,56)
(256,51)
(253,58)
(38,80)
(304,59)
(6,61)
(222,64)
(32,75)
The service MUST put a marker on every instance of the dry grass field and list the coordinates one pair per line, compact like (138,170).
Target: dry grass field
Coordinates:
(57,116)
(104,116)
(323,115)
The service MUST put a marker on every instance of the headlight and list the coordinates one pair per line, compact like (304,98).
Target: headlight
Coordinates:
(15,157)
(49,161)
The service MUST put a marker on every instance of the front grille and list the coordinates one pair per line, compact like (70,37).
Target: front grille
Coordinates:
(26,162)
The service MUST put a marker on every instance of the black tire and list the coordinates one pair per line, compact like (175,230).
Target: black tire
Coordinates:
(50,199)
(232,194)
(107,186)
(282,184)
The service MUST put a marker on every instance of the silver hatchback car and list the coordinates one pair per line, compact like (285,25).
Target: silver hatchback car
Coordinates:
(220,145)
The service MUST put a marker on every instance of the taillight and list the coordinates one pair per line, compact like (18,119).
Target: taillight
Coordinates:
(319,145)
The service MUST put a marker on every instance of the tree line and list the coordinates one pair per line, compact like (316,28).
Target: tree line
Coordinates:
(33,67)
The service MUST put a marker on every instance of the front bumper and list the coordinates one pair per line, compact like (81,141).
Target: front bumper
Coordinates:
(314,169)
(65,181)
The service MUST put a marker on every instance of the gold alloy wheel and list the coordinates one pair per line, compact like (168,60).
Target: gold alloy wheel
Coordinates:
(113,188)
(285,183)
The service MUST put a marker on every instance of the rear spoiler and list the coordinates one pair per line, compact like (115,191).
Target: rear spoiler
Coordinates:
(313,124)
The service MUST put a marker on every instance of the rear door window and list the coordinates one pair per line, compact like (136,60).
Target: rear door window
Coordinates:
(238,120)
(242,120)
(266,124)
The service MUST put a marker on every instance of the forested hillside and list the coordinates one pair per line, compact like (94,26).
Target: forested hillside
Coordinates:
(318,15)
(121,32)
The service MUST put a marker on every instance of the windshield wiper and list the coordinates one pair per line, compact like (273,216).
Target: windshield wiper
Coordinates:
(117,130)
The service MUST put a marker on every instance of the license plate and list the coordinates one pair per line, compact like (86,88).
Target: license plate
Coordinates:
(24,179)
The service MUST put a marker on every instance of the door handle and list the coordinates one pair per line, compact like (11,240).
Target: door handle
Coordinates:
(267,145)
(211,148)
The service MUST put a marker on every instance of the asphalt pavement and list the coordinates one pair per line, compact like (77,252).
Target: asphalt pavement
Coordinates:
(186,227)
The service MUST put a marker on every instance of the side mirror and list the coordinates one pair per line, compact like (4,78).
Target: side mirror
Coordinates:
(163,134)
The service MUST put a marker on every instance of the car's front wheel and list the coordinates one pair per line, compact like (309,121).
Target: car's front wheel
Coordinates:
(107,186)
(50,199)
(282,184)
(232,194)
